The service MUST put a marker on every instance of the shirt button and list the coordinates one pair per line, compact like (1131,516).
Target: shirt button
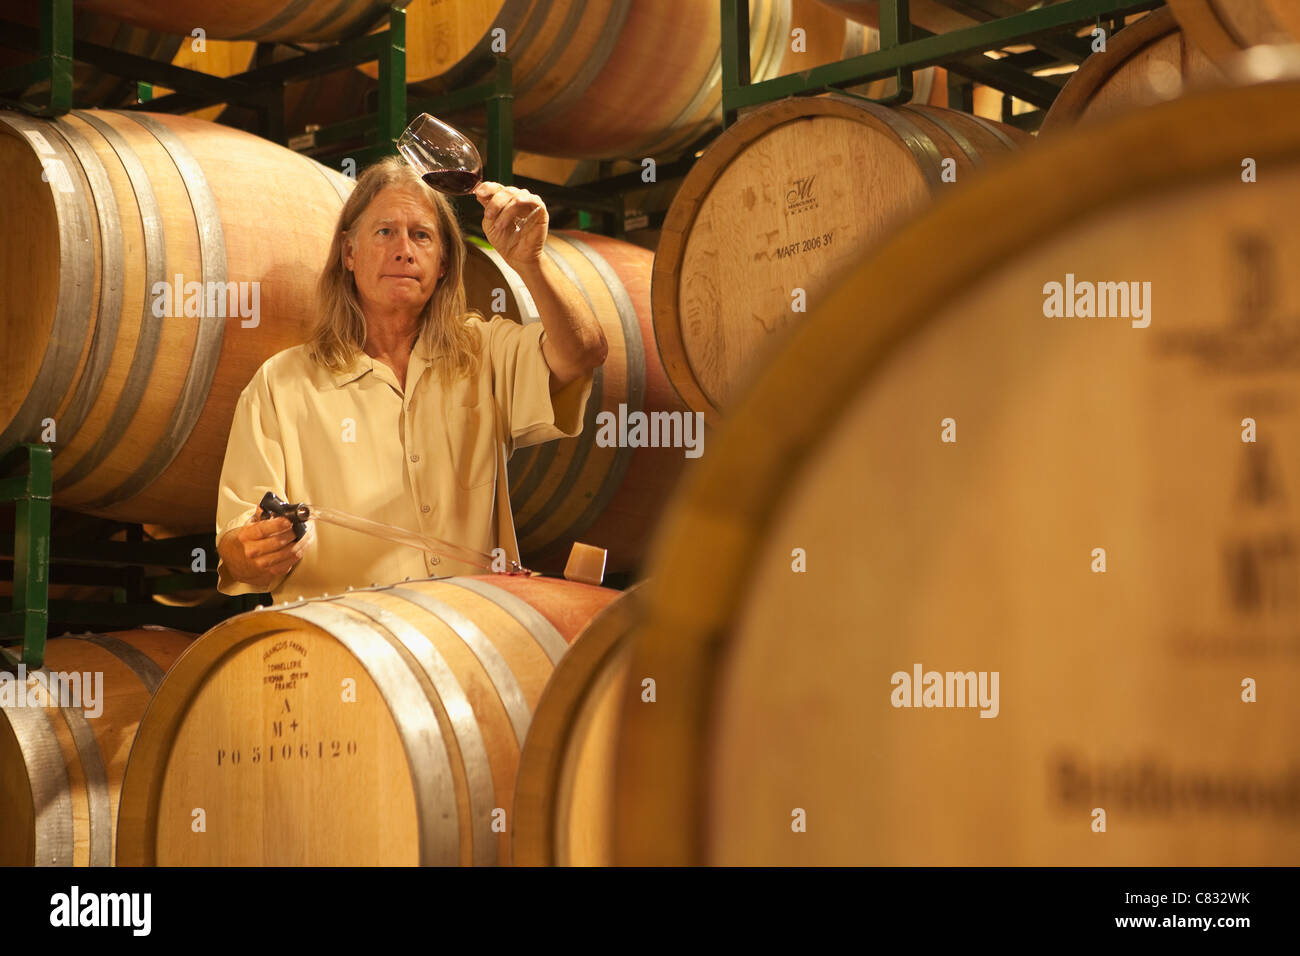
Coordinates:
(415,458)
(424,508)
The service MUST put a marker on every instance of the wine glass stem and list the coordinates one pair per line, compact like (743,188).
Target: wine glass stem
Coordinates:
(520,223)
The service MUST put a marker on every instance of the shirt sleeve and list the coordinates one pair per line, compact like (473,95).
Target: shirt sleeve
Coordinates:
(521,384)
(254,464)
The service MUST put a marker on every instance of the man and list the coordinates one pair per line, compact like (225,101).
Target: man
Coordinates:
(404,406)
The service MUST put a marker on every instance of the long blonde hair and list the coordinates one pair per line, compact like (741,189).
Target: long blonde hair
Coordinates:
(340,331)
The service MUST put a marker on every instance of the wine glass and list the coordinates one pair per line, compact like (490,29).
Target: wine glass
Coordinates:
(444,158)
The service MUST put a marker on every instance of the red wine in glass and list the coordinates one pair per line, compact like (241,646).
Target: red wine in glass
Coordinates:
(439,153)
(453,181)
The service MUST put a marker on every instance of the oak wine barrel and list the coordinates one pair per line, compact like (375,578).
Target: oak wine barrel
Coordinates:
(262,20)
(785,199)
(381,726)
(579,489)
(604,78)
(61,767)
(1145,63)
(136,398)
(590,77)
(971,577)
(564,792)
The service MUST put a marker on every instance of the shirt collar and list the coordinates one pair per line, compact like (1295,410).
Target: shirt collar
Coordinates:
(363,363)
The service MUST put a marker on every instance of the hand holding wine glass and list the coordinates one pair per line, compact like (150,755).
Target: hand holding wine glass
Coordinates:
(514,220)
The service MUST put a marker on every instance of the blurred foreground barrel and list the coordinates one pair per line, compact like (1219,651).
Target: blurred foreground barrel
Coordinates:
(586,488)
(565,789)
(61,767)
(1145,63)
(263,20)
(947,475)
(132,378)
(377,727)
(784,200)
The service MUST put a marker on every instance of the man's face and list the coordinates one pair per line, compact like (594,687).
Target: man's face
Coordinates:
(394,252)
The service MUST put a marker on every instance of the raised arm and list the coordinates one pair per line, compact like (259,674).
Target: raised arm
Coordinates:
(574,342)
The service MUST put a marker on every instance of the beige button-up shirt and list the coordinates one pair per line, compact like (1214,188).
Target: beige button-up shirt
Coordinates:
(430,459)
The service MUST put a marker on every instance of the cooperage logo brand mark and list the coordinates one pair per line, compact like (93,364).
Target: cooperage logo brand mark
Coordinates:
(800,195)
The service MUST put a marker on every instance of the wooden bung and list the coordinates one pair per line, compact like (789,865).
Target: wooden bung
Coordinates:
(586,563)
(947,475)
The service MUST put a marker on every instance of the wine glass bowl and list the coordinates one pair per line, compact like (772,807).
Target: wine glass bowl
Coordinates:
(444,158)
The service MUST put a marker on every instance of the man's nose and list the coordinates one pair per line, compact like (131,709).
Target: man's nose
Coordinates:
(404,251)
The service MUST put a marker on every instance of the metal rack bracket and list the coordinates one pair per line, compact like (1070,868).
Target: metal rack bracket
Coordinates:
(30,490)
(959,50)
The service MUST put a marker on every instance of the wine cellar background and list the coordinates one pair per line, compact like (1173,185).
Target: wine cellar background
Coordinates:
(672,172)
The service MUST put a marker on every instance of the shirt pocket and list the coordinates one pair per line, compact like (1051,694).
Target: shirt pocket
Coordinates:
(470,445)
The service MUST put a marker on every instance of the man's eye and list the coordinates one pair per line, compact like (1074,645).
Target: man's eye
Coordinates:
(381,230)
(422,235)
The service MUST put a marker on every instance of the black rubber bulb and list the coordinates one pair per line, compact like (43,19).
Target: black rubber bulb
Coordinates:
(274,506)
